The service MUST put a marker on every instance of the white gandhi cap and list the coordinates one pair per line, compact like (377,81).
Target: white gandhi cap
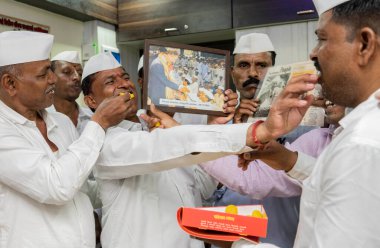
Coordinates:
(325,5)
(68,56)
(18,47)
(100,62)
(254,43)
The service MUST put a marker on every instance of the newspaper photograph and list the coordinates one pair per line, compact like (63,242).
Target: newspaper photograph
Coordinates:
(275,80)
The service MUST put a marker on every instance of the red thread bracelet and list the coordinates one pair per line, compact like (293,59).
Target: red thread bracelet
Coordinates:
(255,125)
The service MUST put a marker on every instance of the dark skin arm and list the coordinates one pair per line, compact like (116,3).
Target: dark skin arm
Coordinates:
(273,154)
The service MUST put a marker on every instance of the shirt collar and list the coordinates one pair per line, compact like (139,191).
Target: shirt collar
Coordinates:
(16,118)
(12,115)
(358,112)
(84,113)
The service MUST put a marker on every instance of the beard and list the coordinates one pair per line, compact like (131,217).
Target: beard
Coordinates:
(341,91)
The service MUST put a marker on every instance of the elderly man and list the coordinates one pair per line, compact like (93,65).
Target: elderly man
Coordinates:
(127,157)
(346,174)
(68,69)
(43,162)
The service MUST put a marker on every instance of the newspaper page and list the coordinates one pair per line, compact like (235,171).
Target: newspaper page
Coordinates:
(274,82)
(276,79)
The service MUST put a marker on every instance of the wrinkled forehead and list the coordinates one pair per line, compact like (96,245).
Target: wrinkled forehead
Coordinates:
(116,72)
(253,57)
(35,66)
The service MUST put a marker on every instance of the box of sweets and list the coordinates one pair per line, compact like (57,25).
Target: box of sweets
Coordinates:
(225,223)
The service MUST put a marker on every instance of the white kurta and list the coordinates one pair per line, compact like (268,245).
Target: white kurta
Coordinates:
(341,198)
(84,116)
(41,204)
(139,207)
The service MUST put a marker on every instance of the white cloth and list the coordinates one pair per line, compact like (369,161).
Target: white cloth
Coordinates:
(84,116)
(324,5)
(15,47)
(303,167)
(41,203)
(253,43)
(140,211)
(341,198)
(139,207)
(126,154)
(100,62)
(68,56)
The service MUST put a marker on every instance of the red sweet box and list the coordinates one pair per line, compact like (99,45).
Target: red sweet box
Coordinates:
(214,223)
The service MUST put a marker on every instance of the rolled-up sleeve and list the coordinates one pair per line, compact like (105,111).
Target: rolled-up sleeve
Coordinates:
(31,170)
(126,154)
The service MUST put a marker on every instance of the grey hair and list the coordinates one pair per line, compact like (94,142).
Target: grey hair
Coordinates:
(10,69)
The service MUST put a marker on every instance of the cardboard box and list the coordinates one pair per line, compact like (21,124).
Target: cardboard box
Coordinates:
(215,223)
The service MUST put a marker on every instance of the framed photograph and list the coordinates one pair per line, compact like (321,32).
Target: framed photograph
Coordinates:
(185,78)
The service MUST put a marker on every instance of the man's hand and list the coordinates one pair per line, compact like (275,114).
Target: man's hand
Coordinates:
(230,103)
(112,111)
(273,154)
(288,108)
(246,108)
(158,119)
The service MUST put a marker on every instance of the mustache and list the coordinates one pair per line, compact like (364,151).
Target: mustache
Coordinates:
(250,81)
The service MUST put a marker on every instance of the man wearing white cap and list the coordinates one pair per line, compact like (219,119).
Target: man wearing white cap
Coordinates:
(253,55)
(68,69)
(43,162)
(129,191)
(341,197)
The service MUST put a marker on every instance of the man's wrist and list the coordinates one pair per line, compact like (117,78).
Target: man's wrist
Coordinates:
(262,134)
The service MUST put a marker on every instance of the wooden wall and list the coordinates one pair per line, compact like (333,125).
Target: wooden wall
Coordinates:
(84,10)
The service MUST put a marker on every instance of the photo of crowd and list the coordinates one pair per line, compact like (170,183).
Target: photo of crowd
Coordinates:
(186,78)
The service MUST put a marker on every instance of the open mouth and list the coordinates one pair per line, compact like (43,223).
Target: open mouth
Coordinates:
(50,90)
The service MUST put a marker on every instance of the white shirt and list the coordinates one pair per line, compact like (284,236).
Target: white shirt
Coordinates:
(341,198)
(126,154)
(139,207)
(84,116)
(90,187)
(41,204)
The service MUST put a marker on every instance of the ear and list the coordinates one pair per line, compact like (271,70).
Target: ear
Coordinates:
(367,45)
(90,101)
(8,84)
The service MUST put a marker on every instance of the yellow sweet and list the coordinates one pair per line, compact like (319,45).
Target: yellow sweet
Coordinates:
(257,213)
(121,94)
(231,209)
(157,124)
(131,96)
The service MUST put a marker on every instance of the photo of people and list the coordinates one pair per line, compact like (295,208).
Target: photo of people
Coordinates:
(186,78)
